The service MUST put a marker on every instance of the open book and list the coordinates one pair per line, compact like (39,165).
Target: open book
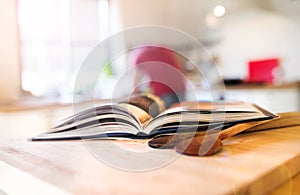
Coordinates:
(145,116)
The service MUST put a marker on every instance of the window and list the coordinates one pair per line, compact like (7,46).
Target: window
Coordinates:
(55,37)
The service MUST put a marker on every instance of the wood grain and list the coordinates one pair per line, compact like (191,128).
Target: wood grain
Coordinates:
(253,163)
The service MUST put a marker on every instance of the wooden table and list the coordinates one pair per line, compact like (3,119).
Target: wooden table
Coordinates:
(252,163)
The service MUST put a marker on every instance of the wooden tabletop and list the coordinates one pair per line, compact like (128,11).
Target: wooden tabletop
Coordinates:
(42,104)
(252,163)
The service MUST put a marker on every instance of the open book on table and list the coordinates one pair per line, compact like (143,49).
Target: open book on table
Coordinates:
(145,116)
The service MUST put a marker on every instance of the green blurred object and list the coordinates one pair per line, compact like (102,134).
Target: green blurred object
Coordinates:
(108,69)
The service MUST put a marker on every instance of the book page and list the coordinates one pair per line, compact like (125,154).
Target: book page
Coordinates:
(214,106)
(140,114)
(206,113)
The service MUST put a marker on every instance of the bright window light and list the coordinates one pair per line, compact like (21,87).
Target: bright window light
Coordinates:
(55,37)
(219,11)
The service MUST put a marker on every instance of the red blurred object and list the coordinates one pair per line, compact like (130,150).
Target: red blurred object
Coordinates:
(262,71)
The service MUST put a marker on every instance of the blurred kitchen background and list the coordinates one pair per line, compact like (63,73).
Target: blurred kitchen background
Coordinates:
(253,43)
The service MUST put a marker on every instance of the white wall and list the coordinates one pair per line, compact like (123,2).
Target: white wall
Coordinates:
(257,34)
(290,8)
(9,52)
(246,31)
(184,15)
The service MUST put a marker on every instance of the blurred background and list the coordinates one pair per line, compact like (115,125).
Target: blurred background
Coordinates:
(254,44)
